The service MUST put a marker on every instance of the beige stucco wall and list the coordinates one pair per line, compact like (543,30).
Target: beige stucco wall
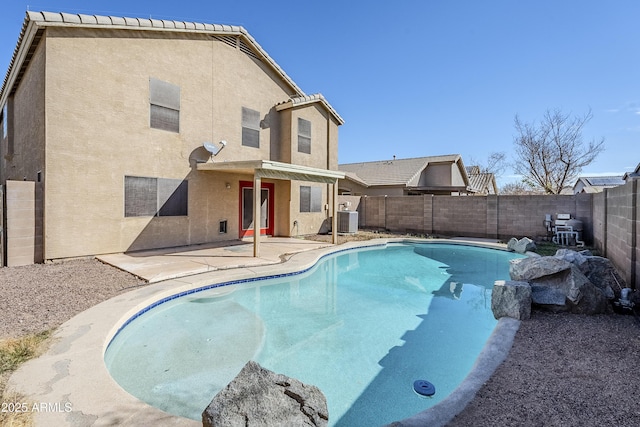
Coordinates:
(97,131)
(324,155)
(309,222)
(457,180)
(26,110)
(26,122)
(436,175)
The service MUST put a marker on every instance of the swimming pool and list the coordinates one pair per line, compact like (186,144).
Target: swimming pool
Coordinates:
(362,325)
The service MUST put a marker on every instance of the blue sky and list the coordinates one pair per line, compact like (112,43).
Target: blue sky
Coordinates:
(418,78)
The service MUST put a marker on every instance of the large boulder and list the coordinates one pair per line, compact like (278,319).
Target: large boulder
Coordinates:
(577,258)
(551,298)
(559,285)
(511,299)
(521,246)
(531,268)
(259,397)
(600,271)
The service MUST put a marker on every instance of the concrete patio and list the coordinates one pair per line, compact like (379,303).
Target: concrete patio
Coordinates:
(171,263)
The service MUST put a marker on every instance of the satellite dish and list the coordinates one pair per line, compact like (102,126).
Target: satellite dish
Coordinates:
(211,148)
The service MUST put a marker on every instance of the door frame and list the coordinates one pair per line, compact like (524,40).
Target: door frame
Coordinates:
(269,229)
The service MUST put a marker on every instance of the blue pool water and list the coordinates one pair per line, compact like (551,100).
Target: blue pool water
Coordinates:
(362,325)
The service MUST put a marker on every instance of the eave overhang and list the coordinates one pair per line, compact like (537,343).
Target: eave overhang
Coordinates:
(274,170)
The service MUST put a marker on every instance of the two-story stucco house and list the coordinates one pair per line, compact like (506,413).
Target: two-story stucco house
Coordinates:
(108,117)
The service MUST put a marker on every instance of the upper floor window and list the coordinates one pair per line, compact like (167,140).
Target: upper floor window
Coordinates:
(250,128)
(164,99)
(145,196)
(310,199)
(304,136)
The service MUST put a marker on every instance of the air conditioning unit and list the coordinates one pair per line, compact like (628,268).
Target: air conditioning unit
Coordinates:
(347,222)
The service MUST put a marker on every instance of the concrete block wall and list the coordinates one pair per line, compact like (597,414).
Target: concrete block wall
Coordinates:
(494,217)
(599,221)
(635,274)
(405,214)
(617,232)
(460,216)
(521,216)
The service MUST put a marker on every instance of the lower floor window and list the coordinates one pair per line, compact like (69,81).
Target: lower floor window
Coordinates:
(145,196)
(310,199)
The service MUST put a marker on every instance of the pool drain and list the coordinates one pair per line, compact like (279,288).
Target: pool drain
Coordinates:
(424,388)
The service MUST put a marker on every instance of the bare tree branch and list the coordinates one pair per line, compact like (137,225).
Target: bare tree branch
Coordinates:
(551,154)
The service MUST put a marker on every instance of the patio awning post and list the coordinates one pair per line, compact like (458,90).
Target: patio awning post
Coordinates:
(334,216)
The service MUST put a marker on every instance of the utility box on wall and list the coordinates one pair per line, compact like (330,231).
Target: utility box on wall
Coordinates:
(348,222)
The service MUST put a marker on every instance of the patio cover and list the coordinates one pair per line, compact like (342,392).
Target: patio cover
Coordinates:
(278,170)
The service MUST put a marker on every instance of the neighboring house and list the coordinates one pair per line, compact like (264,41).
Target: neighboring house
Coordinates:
(108,116)
(595,184)
(481,183)
(421,175)
(632,175)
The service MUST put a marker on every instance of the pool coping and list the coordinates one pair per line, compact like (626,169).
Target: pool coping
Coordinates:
(69,385)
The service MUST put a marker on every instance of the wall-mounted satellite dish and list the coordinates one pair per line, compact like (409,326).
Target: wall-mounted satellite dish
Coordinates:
(213,149)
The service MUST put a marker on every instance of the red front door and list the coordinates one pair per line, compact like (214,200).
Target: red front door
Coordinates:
(246,209)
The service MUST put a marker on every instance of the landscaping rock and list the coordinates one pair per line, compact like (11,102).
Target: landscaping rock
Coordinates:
(573,257)
(601,272)
(521,246)
(511,299)
(259,397)
(546,296)
(531,268)
(559,284)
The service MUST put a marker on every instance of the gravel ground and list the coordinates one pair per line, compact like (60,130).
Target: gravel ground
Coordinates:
(38,297)
(563,370)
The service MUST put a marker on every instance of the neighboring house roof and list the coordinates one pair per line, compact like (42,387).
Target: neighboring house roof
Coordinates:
(355,178)
(35,21)
(633,174)
(482,183)
(473,170)
(404,172)
(595,184)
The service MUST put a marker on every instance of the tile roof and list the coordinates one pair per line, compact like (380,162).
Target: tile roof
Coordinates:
(482,182)
(394,172)
(297,101)
(601,181)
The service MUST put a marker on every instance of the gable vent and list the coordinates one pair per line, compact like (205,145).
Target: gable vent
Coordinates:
(230,40)
(246,49)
